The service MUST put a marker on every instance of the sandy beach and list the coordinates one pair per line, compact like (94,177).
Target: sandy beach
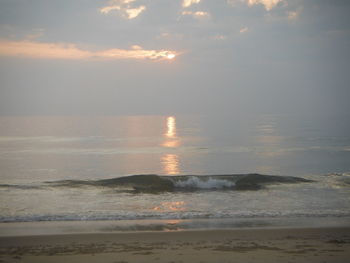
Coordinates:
(238,245)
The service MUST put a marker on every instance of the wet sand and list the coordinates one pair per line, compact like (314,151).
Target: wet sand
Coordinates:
(238,245)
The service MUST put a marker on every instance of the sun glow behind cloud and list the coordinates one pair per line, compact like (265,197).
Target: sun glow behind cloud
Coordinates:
(32,49)
(170,56)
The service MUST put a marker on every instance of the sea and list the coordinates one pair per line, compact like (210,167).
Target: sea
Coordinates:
(86,174)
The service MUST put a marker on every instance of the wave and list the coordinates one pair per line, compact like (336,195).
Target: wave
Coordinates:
(20,186)
(152,183)
(157,183)
(194,182)
(340,179)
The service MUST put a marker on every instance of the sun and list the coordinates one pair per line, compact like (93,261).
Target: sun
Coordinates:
(170,56)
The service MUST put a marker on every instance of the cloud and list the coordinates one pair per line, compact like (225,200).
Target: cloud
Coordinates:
(197,14)
(219,37)
(134,12)
(243,30)
(268,4)
(125,7)
(107,9)
(36,33)
(293,15)
(188,3)
(32,49)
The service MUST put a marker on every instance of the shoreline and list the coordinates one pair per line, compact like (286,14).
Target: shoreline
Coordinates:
(166,225)
(323,244)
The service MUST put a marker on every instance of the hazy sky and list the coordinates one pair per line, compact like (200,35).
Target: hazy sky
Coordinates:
(174,56)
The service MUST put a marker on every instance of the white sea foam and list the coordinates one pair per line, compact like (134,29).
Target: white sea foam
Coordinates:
(197,183)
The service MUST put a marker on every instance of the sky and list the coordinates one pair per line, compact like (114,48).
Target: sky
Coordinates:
(140,57)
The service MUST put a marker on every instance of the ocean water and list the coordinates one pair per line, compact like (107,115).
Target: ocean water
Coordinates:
(124,173)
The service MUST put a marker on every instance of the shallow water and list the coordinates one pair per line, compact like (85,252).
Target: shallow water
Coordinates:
(52,168)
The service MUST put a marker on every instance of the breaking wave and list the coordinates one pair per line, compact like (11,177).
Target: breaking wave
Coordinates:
(194,182)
